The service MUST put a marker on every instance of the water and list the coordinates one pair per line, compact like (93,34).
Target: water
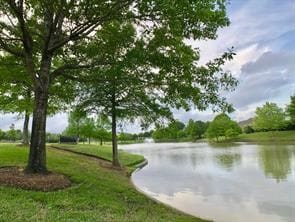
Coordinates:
(225,183)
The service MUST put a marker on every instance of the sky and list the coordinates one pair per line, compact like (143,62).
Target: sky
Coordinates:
(263,36)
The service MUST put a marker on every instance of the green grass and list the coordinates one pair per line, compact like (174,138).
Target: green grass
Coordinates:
(274,136)
(105,151)
(98,194)
(130,141)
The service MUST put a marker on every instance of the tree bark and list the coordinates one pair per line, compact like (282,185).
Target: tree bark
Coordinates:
(26,129)
(37,155)
(116,162)
(101,142)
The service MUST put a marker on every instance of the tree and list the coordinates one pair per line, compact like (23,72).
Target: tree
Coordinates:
(196,129)
(82,126)
(88,129)
(148,77)
(42,33)
(15,91)
(52,138)
(11,133)
(175,130)
(291,110)
(102,129)
(248,129)
(2,135)
(269,117)
(222,125)
(76,120)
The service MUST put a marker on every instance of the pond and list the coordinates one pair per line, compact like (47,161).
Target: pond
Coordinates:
(225,183)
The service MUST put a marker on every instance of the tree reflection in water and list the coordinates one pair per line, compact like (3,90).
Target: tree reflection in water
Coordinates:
(228,160)
(275,161)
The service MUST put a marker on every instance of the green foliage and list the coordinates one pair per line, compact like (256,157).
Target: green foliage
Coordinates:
(81,126)
(75,122)
(174,131)
(127,137)
(12,134)
(144,68)
(52,138)
(2,135)
(232,133)
(269,117)
(248,129)
(196,129)
(161,64)
(291,110)
(223,126)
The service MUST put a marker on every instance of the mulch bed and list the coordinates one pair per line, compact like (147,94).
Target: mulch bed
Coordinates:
(16,177)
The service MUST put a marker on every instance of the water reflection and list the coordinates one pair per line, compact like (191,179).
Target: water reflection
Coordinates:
(228,160)
(276,161)
(221,182)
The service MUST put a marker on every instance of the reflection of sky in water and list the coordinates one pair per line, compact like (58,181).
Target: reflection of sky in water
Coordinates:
(223,183)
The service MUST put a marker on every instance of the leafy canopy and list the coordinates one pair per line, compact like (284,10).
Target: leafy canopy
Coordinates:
(269,117)
(223,126)
(291,110)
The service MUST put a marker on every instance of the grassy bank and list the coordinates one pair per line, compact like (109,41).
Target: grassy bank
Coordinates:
(105,151)
(179,140)
(130,141)
(274,136)
(98,194)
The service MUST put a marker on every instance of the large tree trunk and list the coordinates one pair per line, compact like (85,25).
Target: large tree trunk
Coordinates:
(26,128)
(114,135)
(37,155)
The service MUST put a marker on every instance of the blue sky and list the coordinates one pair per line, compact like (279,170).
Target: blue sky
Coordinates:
(263,35)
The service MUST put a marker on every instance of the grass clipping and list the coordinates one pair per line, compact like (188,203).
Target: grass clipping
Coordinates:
(16,177)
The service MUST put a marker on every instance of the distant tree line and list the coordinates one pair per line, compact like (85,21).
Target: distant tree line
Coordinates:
(270,117)
(97,128)
(178,131)
(11,135)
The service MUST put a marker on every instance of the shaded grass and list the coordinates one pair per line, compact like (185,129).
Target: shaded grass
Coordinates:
(98,194)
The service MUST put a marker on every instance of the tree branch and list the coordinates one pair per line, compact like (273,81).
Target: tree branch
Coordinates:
(11,49)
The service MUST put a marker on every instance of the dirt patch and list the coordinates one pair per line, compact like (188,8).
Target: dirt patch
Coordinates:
(16,177)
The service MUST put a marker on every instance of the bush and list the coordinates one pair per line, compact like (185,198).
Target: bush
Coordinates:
(248,129)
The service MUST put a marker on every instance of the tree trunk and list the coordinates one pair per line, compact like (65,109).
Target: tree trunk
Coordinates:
(101,142)
(37,155)
(114,134)
(26,129)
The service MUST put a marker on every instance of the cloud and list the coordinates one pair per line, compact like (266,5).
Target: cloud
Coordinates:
(273,74)
(55,124)
(8,119)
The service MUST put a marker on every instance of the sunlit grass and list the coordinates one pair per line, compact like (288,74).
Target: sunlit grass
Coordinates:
(98,194)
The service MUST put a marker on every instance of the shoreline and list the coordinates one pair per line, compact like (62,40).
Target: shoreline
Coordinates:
(160,202)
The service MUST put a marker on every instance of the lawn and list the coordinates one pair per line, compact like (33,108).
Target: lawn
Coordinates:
(98,194)
(105,151)
(274,136)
